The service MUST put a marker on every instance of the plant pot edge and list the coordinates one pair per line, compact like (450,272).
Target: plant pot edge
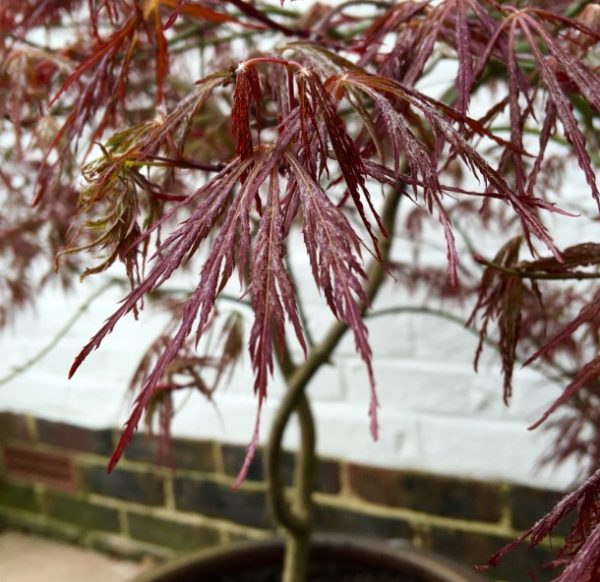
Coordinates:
(382,553)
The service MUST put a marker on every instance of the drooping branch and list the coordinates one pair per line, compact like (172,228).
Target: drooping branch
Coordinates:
(560,375)
(261,16)
(60,334)
(537,275)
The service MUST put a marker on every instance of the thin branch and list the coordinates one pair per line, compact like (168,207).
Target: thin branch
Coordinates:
(206,42)
(558,378)
(298,542)
(531,131)
(538,275)
(295,566)
(324,22)
(253,12)
(81,310)
(182,163)
(36,358)
(172,290)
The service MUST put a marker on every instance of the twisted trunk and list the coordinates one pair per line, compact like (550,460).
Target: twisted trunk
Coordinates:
(294,516)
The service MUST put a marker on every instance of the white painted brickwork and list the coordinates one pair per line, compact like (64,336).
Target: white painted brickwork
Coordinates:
(435,414)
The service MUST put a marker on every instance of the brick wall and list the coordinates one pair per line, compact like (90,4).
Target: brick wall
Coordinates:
(53,480)
(436,415)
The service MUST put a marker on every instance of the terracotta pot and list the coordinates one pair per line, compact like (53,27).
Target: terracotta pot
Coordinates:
(333,557)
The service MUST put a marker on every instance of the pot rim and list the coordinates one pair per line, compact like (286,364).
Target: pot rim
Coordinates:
(388,554)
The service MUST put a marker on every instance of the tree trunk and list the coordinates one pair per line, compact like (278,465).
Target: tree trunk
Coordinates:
(296,517)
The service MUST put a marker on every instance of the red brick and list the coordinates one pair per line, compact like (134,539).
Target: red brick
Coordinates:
(192,455)
(139,487)
(34,466)
(76,438)
(13,427)
(434,494)
(215,500)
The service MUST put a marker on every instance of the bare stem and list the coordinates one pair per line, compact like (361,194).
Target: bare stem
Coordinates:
(538,275)
(557,378)
(322,25)
(82,309)
(295,567)
(256,14)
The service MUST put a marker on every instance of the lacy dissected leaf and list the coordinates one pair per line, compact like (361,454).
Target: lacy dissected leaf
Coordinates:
(106,71)
(181,243)
(152,14)
(273,299)
(464,24)
(120,203)
(580,255)
(231,339)
(555,62)
(346,153)
(18,249)
(587,82)
(101,82)
(589,312)
(581,551)
(334,252)
(230,248)
(247,91)
(18,17)
(465,54)
(30,240)
(396,19)
(26,73)
(418,27)
(585,564)
(272,292)
(196,311)
(191,370)
(575,433)
(423,161)
(500,297)
(117,229)
(588,375)
(319,126)
(196,11)
(547,131)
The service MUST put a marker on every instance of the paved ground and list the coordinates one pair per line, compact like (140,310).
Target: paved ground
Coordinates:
(27,558)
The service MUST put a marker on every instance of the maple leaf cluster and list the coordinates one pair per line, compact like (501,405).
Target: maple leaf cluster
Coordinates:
(307,121)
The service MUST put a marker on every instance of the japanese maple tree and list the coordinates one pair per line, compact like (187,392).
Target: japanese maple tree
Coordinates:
(314,120)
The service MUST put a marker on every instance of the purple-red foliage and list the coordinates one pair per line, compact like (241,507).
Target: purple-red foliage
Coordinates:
(189,370)
(580,554)
(324,110)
